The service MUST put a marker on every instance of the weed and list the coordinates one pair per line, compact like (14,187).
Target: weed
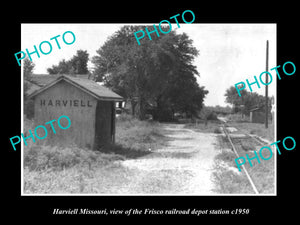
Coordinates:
(217,130)
(228,180)
(70,169)
(206,126)
(138,135)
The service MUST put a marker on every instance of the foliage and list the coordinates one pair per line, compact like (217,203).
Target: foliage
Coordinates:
(136,135)
(58,158)
(76,65)
(247,101)
(207,113)
(134,138)
(226,176)
(28,67)
(157,74)
(212,116)
(204,126)
(255,128)
(219,109)
(69,169)
(211,112)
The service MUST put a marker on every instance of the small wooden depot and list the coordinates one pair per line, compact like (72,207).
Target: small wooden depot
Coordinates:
(90,107)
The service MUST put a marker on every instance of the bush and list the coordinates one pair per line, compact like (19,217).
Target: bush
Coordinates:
(132,133)
(208,114)
(212,116)
(126,152)
(217,130)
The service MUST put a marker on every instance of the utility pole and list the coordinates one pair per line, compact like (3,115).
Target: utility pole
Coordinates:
(267,81)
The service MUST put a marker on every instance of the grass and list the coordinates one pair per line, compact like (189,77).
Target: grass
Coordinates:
(77,179)
(208,126)
(52,169)
(255,128)
(138,135)
(229,180)
(40,158)
(69,169)
(227,177)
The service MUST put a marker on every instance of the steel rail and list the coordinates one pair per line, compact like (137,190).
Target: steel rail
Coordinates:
(234,150)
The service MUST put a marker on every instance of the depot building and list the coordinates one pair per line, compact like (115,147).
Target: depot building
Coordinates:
(90,107)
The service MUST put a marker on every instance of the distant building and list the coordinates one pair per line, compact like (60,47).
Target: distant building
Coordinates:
(257,116)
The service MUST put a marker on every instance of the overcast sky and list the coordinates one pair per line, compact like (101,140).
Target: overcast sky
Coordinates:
(229,53)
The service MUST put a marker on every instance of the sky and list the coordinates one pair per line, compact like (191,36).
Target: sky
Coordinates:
(229,53)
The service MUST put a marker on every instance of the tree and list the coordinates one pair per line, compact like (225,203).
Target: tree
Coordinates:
(28,67)
(233,98)
(63,67)
(76,65)
(79,62)
(157,73)
(245,102)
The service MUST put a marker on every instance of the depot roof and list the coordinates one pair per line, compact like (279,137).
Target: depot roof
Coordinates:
(86,85)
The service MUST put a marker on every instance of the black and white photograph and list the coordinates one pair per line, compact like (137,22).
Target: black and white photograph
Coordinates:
(149,112)
(149,109)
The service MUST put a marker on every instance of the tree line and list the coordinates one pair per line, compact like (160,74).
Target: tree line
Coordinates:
(76,65)
(157,77)
(247,101)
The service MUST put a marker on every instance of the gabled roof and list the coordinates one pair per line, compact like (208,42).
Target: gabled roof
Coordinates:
(88,86)
(42,79)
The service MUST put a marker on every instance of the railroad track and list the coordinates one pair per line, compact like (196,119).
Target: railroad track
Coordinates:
(237,155)
(257,139)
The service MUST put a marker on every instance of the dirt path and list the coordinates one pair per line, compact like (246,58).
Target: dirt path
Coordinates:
(183,167)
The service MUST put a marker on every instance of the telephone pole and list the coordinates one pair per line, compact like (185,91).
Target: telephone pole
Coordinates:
(267,81)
